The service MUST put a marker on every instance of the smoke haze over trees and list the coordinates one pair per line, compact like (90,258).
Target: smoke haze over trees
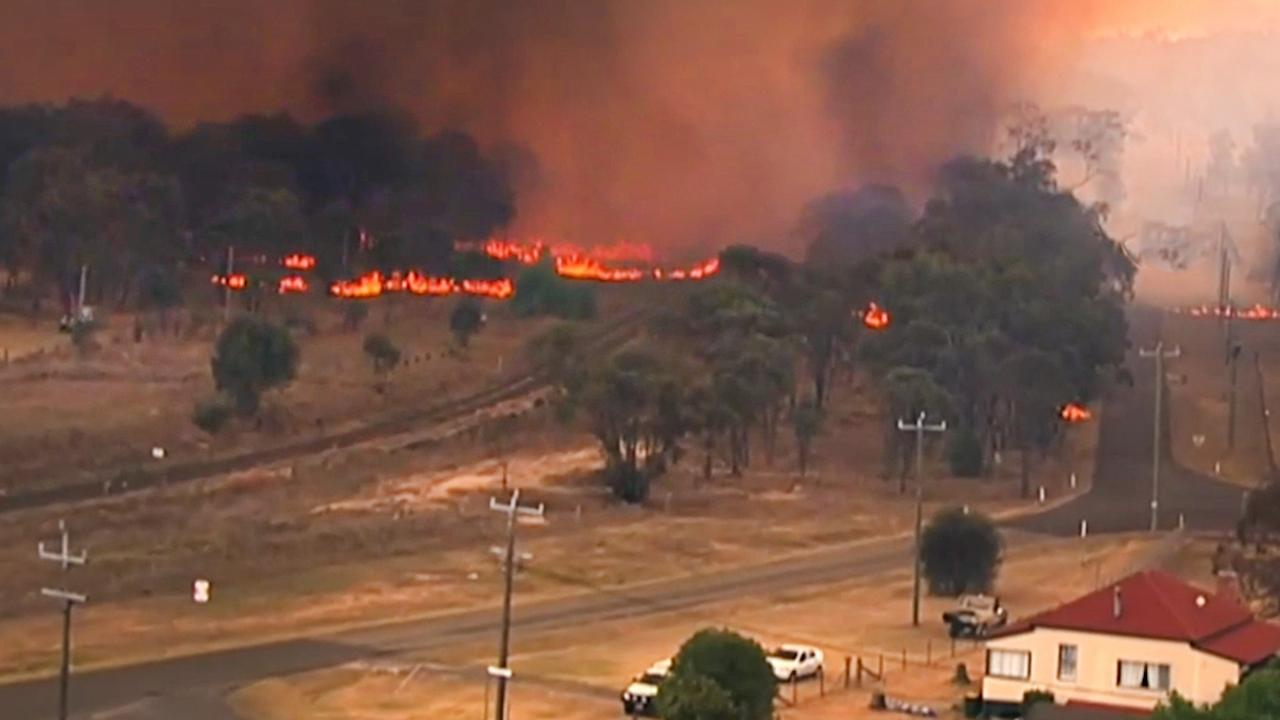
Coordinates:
(675,123)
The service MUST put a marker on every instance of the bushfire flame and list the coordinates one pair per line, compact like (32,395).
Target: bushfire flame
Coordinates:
(876,317)
(299,261)
(1255,312)
(596,263)
(234,281)
(1074,413)
(292,284)
(374,284)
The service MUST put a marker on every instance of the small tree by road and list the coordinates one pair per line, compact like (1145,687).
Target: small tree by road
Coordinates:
(252,356)
(718,675)
(466,320)
(961,552)
(382,352)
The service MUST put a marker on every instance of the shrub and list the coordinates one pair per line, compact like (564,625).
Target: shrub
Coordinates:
(382,351)
(541,291)
(466,320)
(718,674)
(250,357)
(961,552)
(1035,697)
(211,415)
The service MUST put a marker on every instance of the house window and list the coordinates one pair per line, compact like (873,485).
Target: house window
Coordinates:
(1015,664)
(1142,675)
(1068,657)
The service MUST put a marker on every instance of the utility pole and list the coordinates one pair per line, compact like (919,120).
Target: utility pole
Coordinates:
(919,427)
(513,510)
(1233,358)
(1160,355)
(227,283)
(69,600)
(84,277)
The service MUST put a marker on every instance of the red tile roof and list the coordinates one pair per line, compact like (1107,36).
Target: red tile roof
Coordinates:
(1155,604)
(1250,643)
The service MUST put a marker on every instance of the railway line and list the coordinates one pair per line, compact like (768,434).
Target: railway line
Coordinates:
(137,478)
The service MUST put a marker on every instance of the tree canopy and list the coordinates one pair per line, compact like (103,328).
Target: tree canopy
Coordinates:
(718,674)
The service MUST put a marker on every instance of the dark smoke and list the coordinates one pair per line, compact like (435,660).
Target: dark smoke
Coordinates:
(683,124)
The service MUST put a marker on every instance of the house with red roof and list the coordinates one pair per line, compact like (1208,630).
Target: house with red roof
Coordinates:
(1128,646)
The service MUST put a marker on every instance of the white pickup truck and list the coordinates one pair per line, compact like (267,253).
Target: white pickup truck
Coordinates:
(640,696)
(792,662)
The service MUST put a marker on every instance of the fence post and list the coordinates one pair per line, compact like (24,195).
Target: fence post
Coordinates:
(848,661)
(953,646)
(928,651)
(795,683)
(904,657)
(822,682)
(881,673)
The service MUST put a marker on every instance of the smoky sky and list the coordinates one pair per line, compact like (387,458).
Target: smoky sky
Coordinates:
(683,123)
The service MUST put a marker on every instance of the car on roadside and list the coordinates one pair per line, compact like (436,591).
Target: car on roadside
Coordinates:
(640,697)
(975,616)
(794,662)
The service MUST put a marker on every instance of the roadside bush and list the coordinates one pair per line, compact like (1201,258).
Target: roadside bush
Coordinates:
(466,320)
(1031,698)
(964,453)
(718,675)
(382,351)
(250,357)
(541,291)
(961,552)
(211,415)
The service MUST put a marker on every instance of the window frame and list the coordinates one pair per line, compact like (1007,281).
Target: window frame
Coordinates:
(1024,653)
(1075,663)
(1148,667)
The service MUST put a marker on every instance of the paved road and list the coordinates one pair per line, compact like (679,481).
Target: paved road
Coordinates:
(1119,501)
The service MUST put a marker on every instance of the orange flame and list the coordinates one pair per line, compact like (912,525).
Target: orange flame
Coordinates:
(1256,312)
(1075,413)
(292,284)
(374,284)
(876,317)
(235,281)
(299,261)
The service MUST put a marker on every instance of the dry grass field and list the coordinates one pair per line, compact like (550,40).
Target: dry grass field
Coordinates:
(356,536)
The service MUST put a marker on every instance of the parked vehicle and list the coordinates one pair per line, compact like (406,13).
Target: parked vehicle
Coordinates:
(792,662)
(640,696)
(975,616)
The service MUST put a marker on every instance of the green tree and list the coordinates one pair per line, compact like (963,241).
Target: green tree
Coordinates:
(160,290)
(541,291)
(384,353)
(466,320)
(714,668)
(909,392)
(806,420)
(558,354)
(695,697)
(961,552)
(1036,386)
(1257,698)
(252,356)
(633,403)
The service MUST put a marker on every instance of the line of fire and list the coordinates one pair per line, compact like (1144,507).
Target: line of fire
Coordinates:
(617,263)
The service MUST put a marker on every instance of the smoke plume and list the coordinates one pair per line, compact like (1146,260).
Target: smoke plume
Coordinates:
(686,124)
